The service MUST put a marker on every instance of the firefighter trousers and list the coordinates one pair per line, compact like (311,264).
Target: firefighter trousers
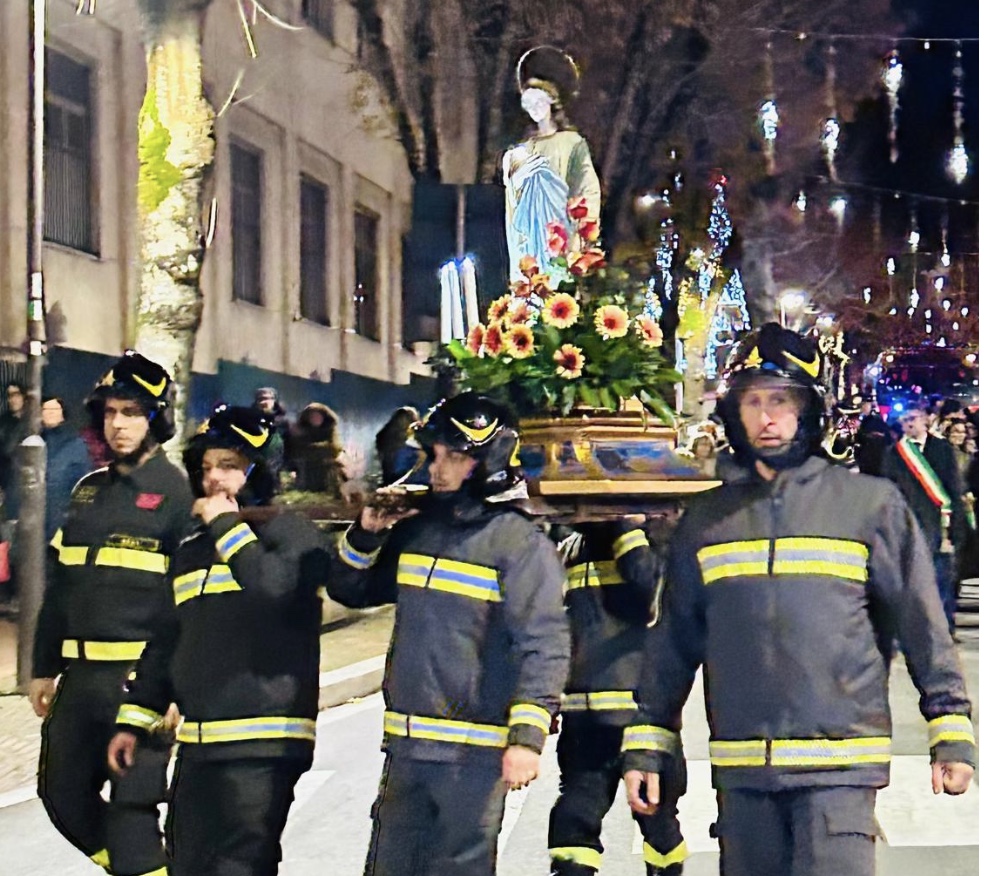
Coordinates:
(436,819)
(226,817)
(123,835)
(805,832)
(588,754)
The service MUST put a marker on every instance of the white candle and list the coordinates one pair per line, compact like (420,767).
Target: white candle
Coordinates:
(457,315)
(470,287)
(446,270)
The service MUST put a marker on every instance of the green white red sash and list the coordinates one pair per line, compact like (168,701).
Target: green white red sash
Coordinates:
(923,472)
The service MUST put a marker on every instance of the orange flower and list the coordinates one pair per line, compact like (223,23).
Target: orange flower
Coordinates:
(570,361)
(538,284)
(561,310)
(498,308)
(493,340)
(589,230)
(557,238)
(611,321)
(519,341)
(528,266)
(649,331)
(519,312)
(476,337)
(521,288)
(577,208)
(589,260)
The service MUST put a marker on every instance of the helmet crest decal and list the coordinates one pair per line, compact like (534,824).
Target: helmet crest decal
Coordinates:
(256,441)
(155,389)
(754,359)
(811,368)
(477,435)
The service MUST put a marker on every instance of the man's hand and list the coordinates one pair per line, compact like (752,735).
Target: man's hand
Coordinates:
(520,766)
(637,784)
(40,692)
(210,507)
(375,519)
(951,777)
(122,751)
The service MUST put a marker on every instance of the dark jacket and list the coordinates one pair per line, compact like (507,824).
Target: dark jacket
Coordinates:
(13,430)
(107,579)
(240,650)
(481,644)
(871,439)
(939,455)
(611,587)
(312,450)
(789,594)
(67,462)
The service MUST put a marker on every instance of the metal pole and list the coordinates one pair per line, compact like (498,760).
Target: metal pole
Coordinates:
(30,526)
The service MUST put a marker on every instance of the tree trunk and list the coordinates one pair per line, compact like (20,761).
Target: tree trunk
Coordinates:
(176,147)
(489,148)
(697,321)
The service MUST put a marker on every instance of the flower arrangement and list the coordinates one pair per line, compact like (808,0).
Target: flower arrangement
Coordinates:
(572,332)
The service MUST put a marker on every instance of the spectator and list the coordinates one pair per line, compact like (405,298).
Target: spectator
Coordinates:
(268,404)
(67,462)
(871,439)
(313,450)
(956,434)
(13,429)
(396,457)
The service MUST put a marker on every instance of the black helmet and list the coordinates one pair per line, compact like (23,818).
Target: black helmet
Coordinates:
(244,430)
(481,428)
(772,351)
(136,378)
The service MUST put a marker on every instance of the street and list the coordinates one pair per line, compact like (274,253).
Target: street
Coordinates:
(328,830)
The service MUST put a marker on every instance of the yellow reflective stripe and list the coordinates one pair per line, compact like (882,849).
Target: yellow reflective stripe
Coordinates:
(188,586)
(821,556)
(577,855)
(631,540)
(750,752)
(824,546)
(220,580)
(234,541)
(445,730)
(450,576)
(529,713)
(56,540)
(599,574)
(657,859)
(351,557)
(137,716)
(246,730)
(101,858)
(646,737)
(819,567)
(128,558)
(733,559)
(73,556)
(160,871)
(598,701)
(831,752)
(951,728)
(75,649)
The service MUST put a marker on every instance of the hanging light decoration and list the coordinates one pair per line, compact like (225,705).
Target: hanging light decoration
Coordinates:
(866,294)
(913,298)
(913,232)
(800,202)
(831,127)
(957,162)
(838,209)
(890,266)
(892,80)
(769,114)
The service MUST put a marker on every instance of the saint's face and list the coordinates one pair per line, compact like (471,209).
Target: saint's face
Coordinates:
(537,104)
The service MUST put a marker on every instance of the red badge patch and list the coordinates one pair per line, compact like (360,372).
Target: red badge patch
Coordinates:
(150,501)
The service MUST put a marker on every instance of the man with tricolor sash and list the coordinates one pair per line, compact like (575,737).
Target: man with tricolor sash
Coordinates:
(480,645)
(106,592)
(925,470)
(789,585)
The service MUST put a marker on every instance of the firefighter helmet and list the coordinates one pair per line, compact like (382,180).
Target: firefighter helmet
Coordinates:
(135,377)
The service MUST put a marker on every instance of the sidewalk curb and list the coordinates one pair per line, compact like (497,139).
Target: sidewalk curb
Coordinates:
(356,680)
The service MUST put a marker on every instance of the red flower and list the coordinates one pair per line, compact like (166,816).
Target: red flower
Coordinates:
(493,340)
(587,261)
(557,238)
(570,361)
(476,337)
(589,230)
(560,310)
(577,208)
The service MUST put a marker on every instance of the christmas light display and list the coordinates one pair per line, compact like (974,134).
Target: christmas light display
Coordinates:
(892,79)
(958,162)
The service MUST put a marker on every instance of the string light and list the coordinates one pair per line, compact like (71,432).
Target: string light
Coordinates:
(769,114)
(892,79)
(913,299)
(866,295)
(957,162)
(800,202)
(938,283)
(890,266)
(831,127)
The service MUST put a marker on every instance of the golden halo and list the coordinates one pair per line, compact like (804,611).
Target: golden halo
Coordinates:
(551,69)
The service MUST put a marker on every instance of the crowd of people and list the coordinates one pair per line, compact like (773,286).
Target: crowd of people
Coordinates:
(173,616)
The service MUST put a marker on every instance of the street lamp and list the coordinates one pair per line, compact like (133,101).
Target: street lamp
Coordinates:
(792,301)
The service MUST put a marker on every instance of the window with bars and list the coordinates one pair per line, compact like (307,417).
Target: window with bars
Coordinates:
(366,295)
(314,250)
(69,208)
(320,14)
(247,213)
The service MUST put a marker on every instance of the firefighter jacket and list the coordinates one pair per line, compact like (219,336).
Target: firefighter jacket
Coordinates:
(611,587)
(107,585)
(240,652)
(481,644)
(789,593)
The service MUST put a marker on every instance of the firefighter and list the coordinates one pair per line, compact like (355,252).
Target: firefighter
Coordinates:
(788,586)
(106,592)
(612,573)
(239,656)
(480,646)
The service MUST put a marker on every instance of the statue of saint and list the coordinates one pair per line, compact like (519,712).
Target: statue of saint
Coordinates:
(551,166)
